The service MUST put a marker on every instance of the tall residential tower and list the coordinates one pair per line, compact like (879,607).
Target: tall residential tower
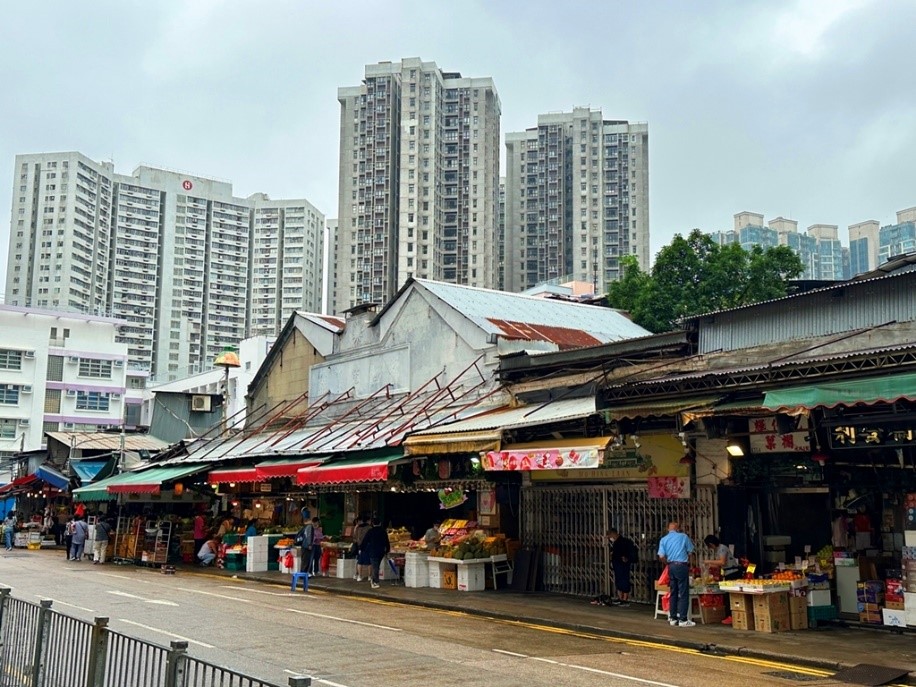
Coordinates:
(577,199)
(419,181)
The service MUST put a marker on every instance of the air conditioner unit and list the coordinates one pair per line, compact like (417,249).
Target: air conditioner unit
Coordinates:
(200,403)
(28,354)
(114,397)
(118,363)
(71,392)
(73,359)
(26,388)
(24,422)
(67,425)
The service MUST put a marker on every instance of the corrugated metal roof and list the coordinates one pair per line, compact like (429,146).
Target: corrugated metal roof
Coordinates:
(334,324)
(91,441)
(529,318)
(520,416)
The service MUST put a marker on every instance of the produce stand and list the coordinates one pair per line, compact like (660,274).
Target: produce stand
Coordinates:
(465,575)
(775,605)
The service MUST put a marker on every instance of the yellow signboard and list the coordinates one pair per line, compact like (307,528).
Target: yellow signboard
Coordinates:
(658,455)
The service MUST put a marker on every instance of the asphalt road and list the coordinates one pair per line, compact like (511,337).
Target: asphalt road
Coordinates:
(341,641)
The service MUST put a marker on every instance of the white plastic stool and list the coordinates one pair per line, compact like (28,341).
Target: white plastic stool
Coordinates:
(691,614)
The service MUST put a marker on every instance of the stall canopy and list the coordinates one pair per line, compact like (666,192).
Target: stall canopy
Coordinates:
(48,474)
(88,470)
(142,482)
(657,408)
(237,474)
(349,470)
(560,454)
(452,442)
(265,470)
(17,486)
(846,393)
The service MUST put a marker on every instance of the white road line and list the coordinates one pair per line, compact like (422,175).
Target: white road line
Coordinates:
(510,653)
(546,660)
(586,668)
(64,603)
(159,602)
(220,596)
(345,620)
(259,591)
(318,679)
(168,634)
(124,577)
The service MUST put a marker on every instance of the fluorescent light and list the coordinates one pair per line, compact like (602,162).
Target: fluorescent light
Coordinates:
(734,448)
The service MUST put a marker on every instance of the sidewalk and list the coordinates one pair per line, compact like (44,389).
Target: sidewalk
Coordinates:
(828,647)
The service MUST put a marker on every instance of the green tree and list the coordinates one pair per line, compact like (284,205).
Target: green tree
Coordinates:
(694,275)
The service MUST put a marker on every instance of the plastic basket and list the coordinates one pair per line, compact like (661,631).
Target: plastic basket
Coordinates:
(816,613)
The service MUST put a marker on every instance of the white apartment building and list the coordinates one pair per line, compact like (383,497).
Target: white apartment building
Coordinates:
(577,199)
(331,258)
(419,181)
(62,371)
(188,265)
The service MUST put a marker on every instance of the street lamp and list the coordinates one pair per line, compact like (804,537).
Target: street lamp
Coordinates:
(227,359)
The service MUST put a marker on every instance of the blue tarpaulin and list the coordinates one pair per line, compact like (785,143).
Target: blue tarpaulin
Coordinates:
(87,470)
(48,474)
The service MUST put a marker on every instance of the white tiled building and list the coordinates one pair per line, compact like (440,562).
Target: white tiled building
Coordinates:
(166,251)
(62,371)
(419,181)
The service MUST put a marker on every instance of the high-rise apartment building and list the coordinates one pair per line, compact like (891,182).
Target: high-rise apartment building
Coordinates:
(863,246)
(188,265)
(331,262)
(501,234)
(577,199)
(897,239)
(419,178)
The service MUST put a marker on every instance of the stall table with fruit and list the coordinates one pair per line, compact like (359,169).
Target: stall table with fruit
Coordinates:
(459,560)
(775,604)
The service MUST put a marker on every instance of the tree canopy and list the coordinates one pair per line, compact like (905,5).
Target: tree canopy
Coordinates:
(694,275)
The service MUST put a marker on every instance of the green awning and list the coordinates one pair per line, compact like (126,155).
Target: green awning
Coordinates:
(137,482)
(844,393)
(649,408)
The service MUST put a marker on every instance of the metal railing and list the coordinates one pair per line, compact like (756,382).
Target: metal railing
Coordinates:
(40,647)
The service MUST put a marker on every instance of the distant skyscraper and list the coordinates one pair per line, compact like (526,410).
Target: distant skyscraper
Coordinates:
(577,199)
(829,252)
(419,180)
(897,239)
(332,259)
(501,234)
(191,267)
(863,246)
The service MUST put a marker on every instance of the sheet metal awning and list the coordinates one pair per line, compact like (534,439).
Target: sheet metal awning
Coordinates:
(844,393)
(651,408)
(87,470)
(286,467)
(48,474)
(350,470)
(452,442)
(560,454)
(519,416)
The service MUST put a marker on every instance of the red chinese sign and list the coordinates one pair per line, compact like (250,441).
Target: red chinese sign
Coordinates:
(766,439)
(187,185)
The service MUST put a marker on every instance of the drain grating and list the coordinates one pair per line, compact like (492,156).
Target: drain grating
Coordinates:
(792,675)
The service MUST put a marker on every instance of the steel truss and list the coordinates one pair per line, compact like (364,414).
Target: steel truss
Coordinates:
(569,523)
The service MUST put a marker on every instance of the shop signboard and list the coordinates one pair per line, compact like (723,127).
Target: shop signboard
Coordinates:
(765,438)
(554,458)
(658,455)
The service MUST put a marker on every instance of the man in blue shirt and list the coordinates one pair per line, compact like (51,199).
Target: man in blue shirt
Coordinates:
(674,550)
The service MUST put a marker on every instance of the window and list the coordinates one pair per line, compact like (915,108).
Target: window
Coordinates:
(10,360)
(9,394)
(52,401)
(55,368)
(100,369)
(91,400)
(8,428)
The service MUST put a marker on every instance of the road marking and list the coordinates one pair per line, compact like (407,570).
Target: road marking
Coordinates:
(586,668)
(64,603)
(763,663)
(220,596)
(259,591)
(345,620)
(168,634)
(509,653)
(546,660)
(159,602)
(124,577)
(317,679)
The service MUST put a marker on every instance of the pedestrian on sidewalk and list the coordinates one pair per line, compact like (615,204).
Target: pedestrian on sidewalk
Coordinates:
(68,537)
(102,536)
(675,550)
(200,531)
(9,529)
(362,561)
(78,540)
(623,555)
(314,567)
(375,546)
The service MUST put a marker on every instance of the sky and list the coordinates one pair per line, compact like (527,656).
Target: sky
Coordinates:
(799,108)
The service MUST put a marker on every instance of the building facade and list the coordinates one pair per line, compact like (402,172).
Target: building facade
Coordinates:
(577,199)
(188,265)
(62,371)
(863,247)
(897,239)
(419,181)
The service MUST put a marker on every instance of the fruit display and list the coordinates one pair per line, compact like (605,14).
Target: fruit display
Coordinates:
(471,547)
(787,575)
(236,550)
(285,543)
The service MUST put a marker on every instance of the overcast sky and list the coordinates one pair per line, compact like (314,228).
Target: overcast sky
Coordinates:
(800,108)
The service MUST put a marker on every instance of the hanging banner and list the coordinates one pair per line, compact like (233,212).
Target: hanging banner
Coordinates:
(556,458)
(658,455)
(764,438)
(669,487)
(450,498)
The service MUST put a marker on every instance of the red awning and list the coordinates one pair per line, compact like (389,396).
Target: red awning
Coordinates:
(18,483)
(239,474)
(349,471)
(286,467)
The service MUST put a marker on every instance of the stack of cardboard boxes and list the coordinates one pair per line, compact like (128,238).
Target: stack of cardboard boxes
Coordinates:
(870,598)
(770,612)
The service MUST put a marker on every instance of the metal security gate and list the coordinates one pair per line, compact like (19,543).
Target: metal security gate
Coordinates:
(569,523)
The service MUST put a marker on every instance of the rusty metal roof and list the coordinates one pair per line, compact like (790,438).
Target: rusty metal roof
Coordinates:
(527,318)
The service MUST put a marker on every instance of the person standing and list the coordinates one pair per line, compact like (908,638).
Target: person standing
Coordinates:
(78,542)
(362,561)
(200,531)
(102,536)
(9,529)
(317,537)
(68,537)
(623,555)
(375,546)
(723,559)
(674,550)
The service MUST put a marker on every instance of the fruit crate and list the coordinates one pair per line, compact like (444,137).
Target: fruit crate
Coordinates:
(234,563)
(821,614)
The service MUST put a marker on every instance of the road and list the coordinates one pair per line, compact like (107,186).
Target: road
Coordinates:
(342,641)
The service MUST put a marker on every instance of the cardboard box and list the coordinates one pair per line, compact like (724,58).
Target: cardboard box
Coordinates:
(909,601)
(868,608)
(819,597)
(743,620)
(871,618)
(712,615)
(798,605)
(741,602)
(894,618)
(895,605)
(771,623)
(449,579)
(799,620)
(773,604)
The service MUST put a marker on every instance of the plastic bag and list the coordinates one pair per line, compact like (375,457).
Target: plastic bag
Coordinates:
(663,578)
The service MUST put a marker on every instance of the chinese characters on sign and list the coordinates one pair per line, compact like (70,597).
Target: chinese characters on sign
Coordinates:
(765,438)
